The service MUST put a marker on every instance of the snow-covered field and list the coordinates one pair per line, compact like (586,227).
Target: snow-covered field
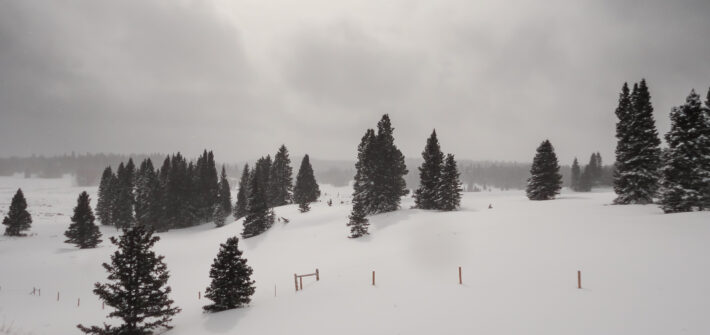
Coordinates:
(642,272)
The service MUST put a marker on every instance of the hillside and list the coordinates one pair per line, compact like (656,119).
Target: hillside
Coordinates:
(642,272)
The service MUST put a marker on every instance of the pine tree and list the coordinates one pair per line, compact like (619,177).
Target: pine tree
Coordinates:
(546,180)
(240,208)
(224,197)
(106,196)
(179,207)
(18,219)
(259,217)
(638,149)
(389,185)
(83,232)
(426,196)
(122,214)
(231,286)
(363,186)
(147,206)
(161,200)
(262,174)
(358,221)
(684,177)
(206,186)
(306,189)
(449,189)
(576,175)
(280,179)
(137,288)
(219,215)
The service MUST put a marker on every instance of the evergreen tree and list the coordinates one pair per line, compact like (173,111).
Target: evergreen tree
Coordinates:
(225,193)
(262,172)
(364,176)
(83,232)
(306,189)
(545,180)
(638,148)
(107,190)
(280,179)
(259,217)
(449,188)
(138,289)
(231,286)
(430,178)
(684,178)
(122,214)
(219,215)
(161,201)
(240,208)
(147,206)
(179,207)
(18,219)
(358,221)
(576,175)
(389,185)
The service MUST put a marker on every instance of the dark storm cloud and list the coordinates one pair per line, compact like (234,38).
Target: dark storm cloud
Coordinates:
(494,78)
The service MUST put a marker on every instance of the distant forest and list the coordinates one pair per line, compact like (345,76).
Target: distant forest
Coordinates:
(475,175)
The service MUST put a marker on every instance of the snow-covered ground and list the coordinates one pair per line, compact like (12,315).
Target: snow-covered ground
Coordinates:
(643,272)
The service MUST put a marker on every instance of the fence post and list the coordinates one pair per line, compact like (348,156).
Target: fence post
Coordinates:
(579,279)
(317,275)
(300,281)
(460,277)
(78,302)
(373,277)
(199,295)
(57,295)
(295,281)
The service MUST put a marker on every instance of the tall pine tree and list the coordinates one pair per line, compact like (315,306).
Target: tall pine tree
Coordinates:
(638,150)
(684,176)
(122,214)
(280,179)
(576,175)
(224,197)
(449,189)
(240,208)
(389,185)
(259,217)
(82,231)
(147,207)
(430,178)
(306,190)
(18,219)
(545,180)
(231,286)
(107,191)
(137,288)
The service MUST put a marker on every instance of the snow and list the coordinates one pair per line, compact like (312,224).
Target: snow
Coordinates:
(643,272)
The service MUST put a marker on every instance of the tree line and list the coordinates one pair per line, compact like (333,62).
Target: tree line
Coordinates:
(677,177)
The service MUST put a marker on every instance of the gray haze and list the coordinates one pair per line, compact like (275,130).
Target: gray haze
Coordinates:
(241,77)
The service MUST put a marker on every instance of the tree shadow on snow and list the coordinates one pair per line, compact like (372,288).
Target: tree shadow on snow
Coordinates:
(223,322)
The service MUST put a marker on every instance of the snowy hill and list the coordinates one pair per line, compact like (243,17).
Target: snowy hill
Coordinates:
(642,272)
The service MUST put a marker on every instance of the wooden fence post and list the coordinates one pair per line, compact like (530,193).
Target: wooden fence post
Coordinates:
(295,281)
(78,302)
(300,281)
(460,277)
(199,295)
(373,277)
(57,295)
(579,279)
(317,275)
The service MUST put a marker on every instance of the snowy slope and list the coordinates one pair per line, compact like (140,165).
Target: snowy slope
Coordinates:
(643,272)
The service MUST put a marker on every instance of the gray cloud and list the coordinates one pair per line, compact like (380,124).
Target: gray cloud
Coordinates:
(494,78)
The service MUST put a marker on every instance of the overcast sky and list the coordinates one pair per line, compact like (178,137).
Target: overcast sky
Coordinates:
(493,77)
